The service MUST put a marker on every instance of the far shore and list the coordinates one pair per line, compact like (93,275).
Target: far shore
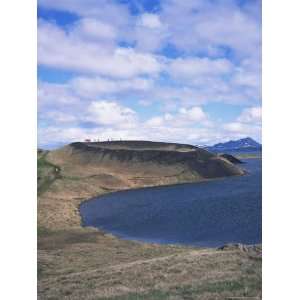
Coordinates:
(248,156)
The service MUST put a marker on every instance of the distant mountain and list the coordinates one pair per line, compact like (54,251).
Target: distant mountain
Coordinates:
(242,145)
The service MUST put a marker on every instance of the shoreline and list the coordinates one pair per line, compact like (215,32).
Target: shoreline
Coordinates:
(144,241)
(78,262)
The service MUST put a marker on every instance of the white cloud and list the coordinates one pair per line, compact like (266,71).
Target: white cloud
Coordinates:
(60,117)
(155,121)
(235,127)
(149,39)
(236,130)
(202,32)
(110,113)
(251,115)
(96,86)
(76,102)
(113,120)
(63,50)
(151,21)
(60,106)
(248,123)
(184,117)
(53,94)
(54,134)
(211,26)
(106,10)
(90,47)
(182,134)
(190,25)
(110,119)
(203,90)
(95,29)
(193,67)
(195,114)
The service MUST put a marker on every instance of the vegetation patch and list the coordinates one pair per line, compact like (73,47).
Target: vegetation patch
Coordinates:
(240,287)
(58,239)
(152,295)
(47,173)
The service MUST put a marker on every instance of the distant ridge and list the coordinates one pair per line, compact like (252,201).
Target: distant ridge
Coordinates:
(242,145)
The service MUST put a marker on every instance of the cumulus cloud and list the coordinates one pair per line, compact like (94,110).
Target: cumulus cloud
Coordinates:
(180,58)
(61,104)
(194,67)
(110,113)
(114,121)
(150,21)
(174,134)
(248,123)
(149,34)
(191,26)
(106,119)
(212,25)
(64,50)
(96,86)
(160,131)
(53,94)
(95,29)
(251,115)
(106,10)
(184,117)
(60,117)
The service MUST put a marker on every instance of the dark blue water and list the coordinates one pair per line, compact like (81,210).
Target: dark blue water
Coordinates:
(207,214)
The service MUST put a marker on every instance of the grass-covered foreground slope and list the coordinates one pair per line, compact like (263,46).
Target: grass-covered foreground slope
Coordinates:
(84,263)
(47,173)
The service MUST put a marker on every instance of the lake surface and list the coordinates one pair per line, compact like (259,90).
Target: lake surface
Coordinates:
(207,214)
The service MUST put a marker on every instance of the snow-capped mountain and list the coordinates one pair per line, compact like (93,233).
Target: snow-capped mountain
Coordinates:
(245,144)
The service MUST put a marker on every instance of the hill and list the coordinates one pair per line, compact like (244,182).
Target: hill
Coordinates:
(242,145)
(140,163)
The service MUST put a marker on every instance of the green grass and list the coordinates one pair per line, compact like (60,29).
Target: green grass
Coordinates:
(42,231)
(43,164)
(47,173)
(214,287)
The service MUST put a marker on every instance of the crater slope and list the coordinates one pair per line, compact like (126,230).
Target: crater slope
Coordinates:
(141,163)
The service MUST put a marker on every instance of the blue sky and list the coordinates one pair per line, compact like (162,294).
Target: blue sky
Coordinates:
(180,71)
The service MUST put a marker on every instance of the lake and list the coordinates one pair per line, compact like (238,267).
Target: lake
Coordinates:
(206,214)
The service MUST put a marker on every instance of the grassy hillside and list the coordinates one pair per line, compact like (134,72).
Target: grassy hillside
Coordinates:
(47,172)
(84,263)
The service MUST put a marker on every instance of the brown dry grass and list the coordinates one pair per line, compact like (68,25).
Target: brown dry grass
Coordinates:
(84,263)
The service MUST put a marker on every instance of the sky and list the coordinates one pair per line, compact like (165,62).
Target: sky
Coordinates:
(170,70)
